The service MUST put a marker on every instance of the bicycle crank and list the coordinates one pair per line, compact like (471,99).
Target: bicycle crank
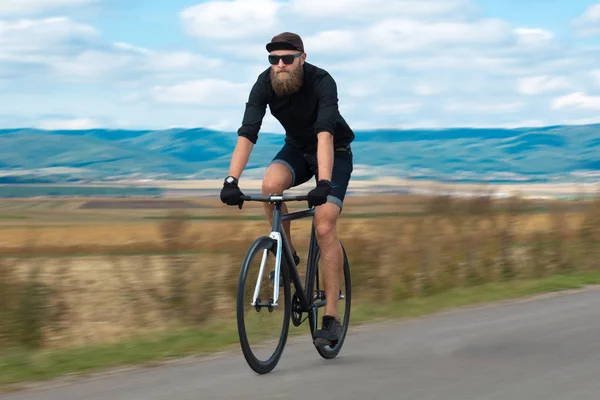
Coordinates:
(297,319)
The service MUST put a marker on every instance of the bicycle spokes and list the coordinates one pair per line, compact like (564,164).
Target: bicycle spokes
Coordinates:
(264,323)
(261,272)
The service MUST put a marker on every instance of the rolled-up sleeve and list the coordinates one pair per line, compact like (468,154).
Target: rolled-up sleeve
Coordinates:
(328,105)
(255,111)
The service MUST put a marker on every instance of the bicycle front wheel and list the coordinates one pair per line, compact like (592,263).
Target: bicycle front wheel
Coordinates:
(266,321)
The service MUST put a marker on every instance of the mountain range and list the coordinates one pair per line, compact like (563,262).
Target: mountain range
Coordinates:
(538,154)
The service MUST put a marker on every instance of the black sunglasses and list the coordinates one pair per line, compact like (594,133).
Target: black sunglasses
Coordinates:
(287,59)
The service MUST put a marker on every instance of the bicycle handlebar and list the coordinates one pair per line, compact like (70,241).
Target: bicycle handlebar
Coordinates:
(274,198)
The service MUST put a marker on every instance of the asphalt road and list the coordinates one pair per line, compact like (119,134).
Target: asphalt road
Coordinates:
(547,348)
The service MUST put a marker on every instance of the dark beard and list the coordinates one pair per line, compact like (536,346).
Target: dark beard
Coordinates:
(287,83)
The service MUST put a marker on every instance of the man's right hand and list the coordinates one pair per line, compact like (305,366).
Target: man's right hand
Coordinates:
(231,193)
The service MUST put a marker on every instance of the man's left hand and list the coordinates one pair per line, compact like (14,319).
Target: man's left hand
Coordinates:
(318,195)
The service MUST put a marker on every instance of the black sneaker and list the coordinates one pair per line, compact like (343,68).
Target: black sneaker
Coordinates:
(272,273)
(329,334)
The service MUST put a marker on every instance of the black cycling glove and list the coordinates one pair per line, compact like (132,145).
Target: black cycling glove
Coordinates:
(231,193)
(318,195)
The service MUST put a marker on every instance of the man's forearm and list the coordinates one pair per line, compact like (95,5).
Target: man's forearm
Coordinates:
(325,155)
(240,156)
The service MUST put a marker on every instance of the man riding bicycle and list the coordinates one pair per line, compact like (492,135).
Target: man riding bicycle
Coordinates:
(303,98)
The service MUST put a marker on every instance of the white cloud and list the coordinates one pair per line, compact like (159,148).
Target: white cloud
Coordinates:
(30,7)
(529,123)
(366,9)
(426,89)
(488,45)
(596,76)
(359,90)
(231,19)
(132,48)
(533,36)
(347,107)
(398,108)
(179,60)
(222,125)
(415,62)
(584,121)
(334,40)
(43,36)
(420,124)
(588,23)
(535,85)
(470,61)
(534,41)
(113,63)
(74,51)
(436,124)
(231,123)
(576,100)
(68,124)
(398,52)
(245,51)
(207,92)
(132,97)
(90,64)
(403,35)
(500,107)
(29,47)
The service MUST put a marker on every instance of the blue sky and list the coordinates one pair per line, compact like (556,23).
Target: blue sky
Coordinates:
(398,64)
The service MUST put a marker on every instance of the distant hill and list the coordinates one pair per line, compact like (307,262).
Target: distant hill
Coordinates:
(553,153)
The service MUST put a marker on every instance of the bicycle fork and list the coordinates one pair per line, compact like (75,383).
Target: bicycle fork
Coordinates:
(277,237)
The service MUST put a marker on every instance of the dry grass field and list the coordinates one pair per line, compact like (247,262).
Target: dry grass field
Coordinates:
(76,271)
(93,226)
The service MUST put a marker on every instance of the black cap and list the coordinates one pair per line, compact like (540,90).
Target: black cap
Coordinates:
(286,41)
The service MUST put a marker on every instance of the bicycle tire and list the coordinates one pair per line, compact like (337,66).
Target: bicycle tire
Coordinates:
(259,366)
(313,317)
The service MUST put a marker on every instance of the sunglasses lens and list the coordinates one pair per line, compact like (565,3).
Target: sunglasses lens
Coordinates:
(287,59)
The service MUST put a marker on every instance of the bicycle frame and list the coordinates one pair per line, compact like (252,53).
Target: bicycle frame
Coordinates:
(295,304)
(284,251)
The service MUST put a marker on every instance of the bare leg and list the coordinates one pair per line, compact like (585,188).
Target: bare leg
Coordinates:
(331,254)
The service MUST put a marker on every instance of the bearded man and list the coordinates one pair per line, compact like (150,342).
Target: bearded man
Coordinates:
(303,98)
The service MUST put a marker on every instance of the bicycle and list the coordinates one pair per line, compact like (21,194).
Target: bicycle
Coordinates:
(306,299)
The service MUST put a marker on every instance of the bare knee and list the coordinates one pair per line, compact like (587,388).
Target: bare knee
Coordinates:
(277,179)
(324,230)
(325,223)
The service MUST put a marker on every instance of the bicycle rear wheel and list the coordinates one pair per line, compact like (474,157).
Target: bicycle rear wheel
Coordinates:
(262,250)
(344,305)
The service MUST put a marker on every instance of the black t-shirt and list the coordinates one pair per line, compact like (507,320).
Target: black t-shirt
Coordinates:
(304,114)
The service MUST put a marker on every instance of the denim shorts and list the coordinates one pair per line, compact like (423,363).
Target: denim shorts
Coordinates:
(303,166)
